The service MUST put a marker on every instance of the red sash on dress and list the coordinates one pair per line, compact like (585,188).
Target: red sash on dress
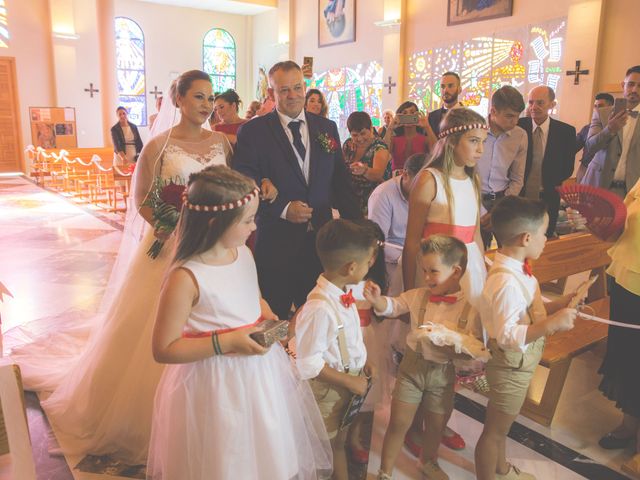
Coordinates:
(365,317)
(464,234)
(222,330)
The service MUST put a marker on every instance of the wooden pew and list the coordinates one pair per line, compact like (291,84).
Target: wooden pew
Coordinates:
(568,255)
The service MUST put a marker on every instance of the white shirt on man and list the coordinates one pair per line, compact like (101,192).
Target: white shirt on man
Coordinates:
(627,134)
(304,133)
(389,208)
(317,333)
(503,305)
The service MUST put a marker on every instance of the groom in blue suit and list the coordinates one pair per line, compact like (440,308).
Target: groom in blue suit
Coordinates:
(299,153)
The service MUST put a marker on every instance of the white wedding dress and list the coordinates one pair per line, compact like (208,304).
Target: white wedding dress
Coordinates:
(101,370)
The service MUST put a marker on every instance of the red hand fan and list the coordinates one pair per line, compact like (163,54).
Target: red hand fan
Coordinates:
(603,210)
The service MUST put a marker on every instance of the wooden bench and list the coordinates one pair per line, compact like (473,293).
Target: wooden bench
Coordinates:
(569,255)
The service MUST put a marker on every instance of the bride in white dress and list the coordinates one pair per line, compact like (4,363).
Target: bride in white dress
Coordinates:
(103,382)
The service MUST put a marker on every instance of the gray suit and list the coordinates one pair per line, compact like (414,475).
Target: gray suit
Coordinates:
(608,148)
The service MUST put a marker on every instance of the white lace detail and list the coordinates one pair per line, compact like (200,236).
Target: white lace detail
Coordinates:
(177,162)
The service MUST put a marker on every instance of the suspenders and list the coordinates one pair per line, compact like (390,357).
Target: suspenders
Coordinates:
(525,292)
(342,338)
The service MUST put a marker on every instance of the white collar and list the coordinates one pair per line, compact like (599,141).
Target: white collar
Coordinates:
(544,126)
(330,288)
(285,119)
(508,262)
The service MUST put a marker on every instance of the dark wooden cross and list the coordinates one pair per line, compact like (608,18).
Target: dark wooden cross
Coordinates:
(91,90)
(389,84)
(577,72)
(155,92)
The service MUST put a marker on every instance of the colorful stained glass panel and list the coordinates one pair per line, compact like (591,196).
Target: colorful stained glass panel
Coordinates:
(351,89)
(219,59)
(130,72)
(522,58)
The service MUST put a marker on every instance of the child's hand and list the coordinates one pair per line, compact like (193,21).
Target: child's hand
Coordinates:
(268,190)
(241,343)
(370,370)
(357,385)
(562,320)
(371,292)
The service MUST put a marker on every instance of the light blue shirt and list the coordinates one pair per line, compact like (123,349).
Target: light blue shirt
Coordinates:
(501,167)
(389,208)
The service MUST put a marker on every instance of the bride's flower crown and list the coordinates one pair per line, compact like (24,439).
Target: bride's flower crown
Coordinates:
(222,207)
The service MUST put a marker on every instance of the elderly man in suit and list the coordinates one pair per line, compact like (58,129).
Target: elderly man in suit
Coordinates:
(615,139)
(299,153)
(550,154)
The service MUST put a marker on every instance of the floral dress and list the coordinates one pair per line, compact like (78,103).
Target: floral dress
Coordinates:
(362,186)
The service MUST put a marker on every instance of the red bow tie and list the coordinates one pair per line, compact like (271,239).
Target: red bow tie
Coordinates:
(526,268)
(443,298)
(347,299)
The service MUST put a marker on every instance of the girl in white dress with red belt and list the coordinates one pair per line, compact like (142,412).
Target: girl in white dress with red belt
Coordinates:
(226,407)
(445,199)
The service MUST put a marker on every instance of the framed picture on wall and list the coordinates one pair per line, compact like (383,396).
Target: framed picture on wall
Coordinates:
(336,22)
(466,11)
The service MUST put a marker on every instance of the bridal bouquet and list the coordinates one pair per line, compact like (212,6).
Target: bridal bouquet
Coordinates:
(165,200)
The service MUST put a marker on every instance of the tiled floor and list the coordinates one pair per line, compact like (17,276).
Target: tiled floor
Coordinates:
(55,257)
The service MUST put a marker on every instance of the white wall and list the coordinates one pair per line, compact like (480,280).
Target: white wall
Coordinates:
(173,43)
(30,45)
(270,37)
(367,47)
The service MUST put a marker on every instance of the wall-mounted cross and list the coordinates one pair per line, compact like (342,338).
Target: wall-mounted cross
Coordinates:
(577,72)
(155,92)
(389,84)
(91,90)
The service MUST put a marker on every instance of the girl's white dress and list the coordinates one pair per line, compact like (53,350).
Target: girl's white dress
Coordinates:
(462,226)
(234,416)
(100,368)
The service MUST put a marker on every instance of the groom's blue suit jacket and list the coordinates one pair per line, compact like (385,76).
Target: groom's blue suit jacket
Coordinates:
(264,151)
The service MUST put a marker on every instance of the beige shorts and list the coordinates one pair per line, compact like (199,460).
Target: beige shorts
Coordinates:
(332,402)
(420,380)
(509,375)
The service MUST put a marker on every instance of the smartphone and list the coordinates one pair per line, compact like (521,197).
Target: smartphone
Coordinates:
(407,119)
(307,67)
(619,105)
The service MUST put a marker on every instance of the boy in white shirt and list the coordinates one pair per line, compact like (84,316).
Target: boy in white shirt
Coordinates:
(426,376)
(329,347)
(517,322)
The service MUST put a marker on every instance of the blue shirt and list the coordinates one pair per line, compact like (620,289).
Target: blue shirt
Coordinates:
(389,208)
(501,167)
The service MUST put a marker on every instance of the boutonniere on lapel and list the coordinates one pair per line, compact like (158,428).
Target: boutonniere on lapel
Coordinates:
(327,143)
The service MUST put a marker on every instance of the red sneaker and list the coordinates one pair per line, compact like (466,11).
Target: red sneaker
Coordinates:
(413,447)
(358,455)
(454,442)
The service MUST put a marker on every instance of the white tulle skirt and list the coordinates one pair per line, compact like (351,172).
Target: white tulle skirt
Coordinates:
(237,417)
(101,370)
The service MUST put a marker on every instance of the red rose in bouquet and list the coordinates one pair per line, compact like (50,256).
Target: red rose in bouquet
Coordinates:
(165,199)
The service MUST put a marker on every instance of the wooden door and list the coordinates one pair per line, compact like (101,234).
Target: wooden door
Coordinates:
(10,137)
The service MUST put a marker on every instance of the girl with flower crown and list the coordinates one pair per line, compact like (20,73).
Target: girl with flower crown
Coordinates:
(226,407)
(445,199)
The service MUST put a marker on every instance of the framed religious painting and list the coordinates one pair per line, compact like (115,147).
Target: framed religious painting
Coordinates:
(466,11)
(336,22)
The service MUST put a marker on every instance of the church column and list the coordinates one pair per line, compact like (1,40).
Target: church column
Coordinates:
(393,29)
(77,65)
(107,41)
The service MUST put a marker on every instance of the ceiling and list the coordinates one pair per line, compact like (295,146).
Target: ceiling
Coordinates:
(238,7)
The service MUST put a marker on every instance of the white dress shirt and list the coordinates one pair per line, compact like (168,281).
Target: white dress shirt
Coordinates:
(544,126)
(627,134)
(389,208)
(304,133)
(317,333)
(446,314)
(504,306)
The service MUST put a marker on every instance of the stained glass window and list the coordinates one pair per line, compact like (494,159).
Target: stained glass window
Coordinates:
(130,69)
(351,89)
(523,58)
(4,26)
(219,59)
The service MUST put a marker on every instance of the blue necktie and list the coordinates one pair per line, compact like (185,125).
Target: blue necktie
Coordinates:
(297,138)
